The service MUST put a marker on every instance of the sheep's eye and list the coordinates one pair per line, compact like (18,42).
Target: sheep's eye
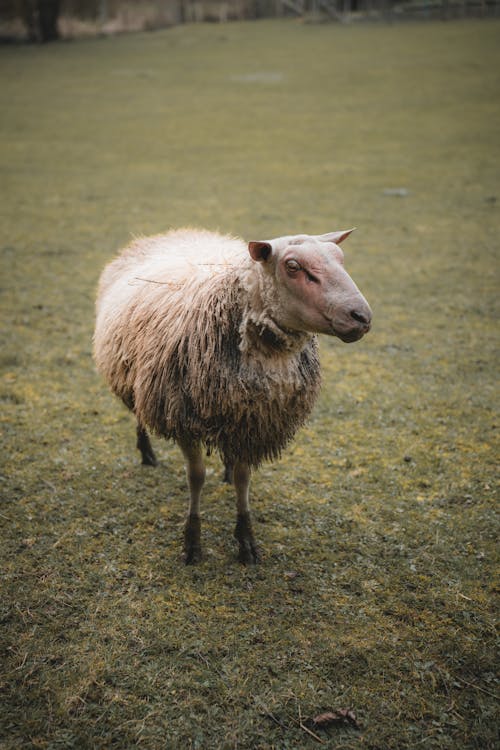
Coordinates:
(292,266)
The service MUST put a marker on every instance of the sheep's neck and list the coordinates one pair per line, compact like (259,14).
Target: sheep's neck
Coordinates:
(260,333)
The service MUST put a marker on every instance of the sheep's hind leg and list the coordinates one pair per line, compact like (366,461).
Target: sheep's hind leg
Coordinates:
(144,445)
(248,552)
(195,471)
(228,473)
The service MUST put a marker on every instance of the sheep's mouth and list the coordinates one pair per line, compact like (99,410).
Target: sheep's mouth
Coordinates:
(347,334)
(350,335)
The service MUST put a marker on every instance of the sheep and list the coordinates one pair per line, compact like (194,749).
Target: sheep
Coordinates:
(212,343)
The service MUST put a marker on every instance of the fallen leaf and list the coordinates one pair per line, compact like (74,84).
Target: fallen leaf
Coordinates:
(340,717)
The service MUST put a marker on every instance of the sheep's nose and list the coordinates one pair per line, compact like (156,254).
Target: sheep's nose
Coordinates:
(362,317)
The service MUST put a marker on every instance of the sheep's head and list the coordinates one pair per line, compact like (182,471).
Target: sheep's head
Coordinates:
(307,287)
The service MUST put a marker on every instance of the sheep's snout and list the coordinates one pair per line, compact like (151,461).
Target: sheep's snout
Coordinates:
(352,322)
(364,318)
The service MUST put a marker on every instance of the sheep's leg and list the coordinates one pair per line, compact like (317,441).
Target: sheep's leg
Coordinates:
(144,445)
(195,471)
(248,552)
(228,472)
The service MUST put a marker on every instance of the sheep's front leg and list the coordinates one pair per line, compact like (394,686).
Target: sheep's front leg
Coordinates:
(248,552)
(195,471)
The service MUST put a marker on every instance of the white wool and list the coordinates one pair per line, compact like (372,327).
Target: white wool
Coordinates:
(174,259)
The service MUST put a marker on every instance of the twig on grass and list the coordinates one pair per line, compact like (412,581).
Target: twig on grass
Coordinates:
(477,687)
(61,539)
(22,663)
(309,731)
(268,713)
(305,729)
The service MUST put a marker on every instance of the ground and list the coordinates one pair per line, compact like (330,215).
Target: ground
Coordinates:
(376,591)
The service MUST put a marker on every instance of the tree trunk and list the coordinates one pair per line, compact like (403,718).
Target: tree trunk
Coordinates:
(48,13)
(40,18)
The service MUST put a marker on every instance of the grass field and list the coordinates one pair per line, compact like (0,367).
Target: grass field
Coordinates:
(377,587)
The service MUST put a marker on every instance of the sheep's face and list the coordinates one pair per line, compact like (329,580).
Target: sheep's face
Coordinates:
(310,289)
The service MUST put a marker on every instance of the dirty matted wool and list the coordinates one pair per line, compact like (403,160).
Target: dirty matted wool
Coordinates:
(188,345)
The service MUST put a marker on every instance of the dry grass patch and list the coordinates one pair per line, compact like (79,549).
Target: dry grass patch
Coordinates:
(378,584)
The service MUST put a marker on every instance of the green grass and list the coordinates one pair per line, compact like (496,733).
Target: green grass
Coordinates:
(377,587)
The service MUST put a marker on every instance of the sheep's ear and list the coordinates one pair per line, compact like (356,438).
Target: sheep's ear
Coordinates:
(336,237)
(260,251)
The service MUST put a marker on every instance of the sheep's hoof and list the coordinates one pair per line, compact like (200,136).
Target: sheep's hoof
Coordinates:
(192,543)
(144,445)
(248,553)
(149,459)
(192,556)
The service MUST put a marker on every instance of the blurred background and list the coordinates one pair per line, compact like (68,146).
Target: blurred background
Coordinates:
(46,20)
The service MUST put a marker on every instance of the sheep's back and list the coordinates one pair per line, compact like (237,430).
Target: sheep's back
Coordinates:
(175,256)
(153,280)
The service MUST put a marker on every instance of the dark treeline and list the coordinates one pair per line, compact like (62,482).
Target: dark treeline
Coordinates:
(48,20)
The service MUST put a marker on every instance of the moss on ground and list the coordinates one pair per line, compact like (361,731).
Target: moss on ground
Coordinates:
(377,588)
